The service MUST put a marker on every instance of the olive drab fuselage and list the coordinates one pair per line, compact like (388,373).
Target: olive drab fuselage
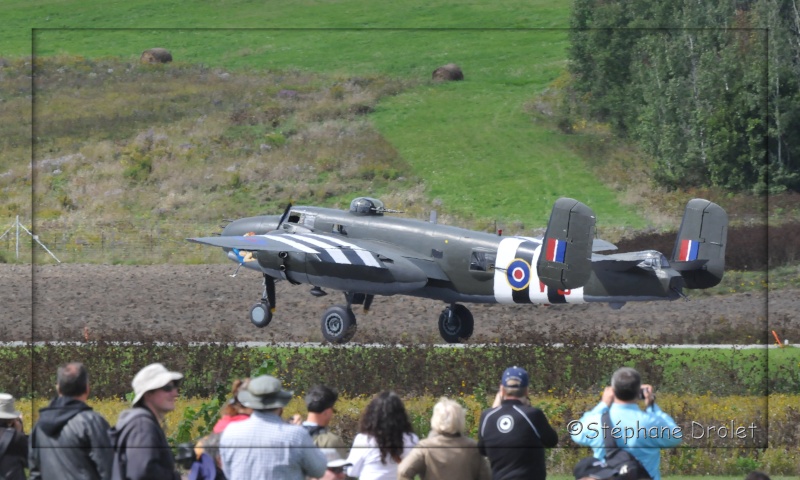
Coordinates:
(369,251)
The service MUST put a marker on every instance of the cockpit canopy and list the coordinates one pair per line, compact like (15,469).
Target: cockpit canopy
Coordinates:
(366,206)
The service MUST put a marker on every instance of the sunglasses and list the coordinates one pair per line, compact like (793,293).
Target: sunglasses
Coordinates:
(170,386)
(336,470)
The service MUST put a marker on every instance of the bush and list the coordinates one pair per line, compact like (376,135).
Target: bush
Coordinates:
(416,370)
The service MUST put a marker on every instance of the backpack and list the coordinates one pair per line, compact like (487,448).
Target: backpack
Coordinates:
(618,463)
(119,439)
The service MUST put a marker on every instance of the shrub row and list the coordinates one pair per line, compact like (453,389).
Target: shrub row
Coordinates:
(411,370)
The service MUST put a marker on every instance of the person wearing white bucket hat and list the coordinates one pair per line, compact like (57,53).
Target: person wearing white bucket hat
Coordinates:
(264,445)
(13,441)
(141,449)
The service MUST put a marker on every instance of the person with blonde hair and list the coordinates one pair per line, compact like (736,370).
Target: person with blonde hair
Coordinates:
(447,452)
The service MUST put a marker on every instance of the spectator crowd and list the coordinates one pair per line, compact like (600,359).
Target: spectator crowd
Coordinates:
(252,440)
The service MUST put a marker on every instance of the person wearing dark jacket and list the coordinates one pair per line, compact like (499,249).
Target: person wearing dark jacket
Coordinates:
(13,441)
(513,434)
(70,440)
(141,450)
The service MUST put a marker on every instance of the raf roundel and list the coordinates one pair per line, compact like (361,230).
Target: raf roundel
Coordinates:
(519,274)
(505,423)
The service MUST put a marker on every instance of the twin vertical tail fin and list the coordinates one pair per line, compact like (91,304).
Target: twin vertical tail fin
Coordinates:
(565,261)
(699,253)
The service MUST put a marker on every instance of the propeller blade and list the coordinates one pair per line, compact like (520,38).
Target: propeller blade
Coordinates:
(285,214)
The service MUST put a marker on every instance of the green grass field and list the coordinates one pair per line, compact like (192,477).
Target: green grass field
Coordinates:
(478,151)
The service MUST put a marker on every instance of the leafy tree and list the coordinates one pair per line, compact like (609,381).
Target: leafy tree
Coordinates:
(710,90)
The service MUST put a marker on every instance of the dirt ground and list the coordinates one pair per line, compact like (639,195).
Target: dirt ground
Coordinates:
(202,303)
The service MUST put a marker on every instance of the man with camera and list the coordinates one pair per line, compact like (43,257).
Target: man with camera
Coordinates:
(641,433)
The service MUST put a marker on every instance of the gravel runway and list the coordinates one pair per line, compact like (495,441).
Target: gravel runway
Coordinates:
(202,303)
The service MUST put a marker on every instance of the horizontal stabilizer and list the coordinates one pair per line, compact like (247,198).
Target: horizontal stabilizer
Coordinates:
(565,261)
(617,265)
(688,266)
(599,245)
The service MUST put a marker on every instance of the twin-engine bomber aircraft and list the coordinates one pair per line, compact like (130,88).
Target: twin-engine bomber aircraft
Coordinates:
(363,252)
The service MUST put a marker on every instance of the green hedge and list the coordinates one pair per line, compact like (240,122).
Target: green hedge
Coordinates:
(411,370)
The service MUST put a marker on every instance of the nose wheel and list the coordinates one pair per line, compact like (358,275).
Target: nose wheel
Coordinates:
(260,314)
(456,323)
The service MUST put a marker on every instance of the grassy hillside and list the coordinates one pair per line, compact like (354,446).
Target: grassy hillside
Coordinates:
(474,150)
(504,69)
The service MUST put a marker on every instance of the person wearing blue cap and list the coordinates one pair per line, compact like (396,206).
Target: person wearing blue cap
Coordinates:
(513,434)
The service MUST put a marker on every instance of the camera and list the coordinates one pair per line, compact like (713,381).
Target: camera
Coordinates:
(641,394)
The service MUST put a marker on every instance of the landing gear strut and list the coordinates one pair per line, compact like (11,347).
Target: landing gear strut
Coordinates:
(456,323)
(261,312)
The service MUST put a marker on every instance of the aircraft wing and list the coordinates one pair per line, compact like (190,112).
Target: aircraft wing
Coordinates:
(327,248)
(253,243)
(392,253)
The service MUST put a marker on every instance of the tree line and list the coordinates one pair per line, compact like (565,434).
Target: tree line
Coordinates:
(710,90)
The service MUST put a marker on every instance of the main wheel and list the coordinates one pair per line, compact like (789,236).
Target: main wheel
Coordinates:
(456,324)
(260,314)
(338,324)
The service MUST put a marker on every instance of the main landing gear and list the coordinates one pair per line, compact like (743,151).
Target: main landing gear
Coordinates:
(339,322)
(339,325)
(456,323)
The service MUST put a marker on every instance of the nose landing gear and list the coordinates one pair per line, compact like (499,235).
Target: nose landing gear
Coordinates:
(261,312)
